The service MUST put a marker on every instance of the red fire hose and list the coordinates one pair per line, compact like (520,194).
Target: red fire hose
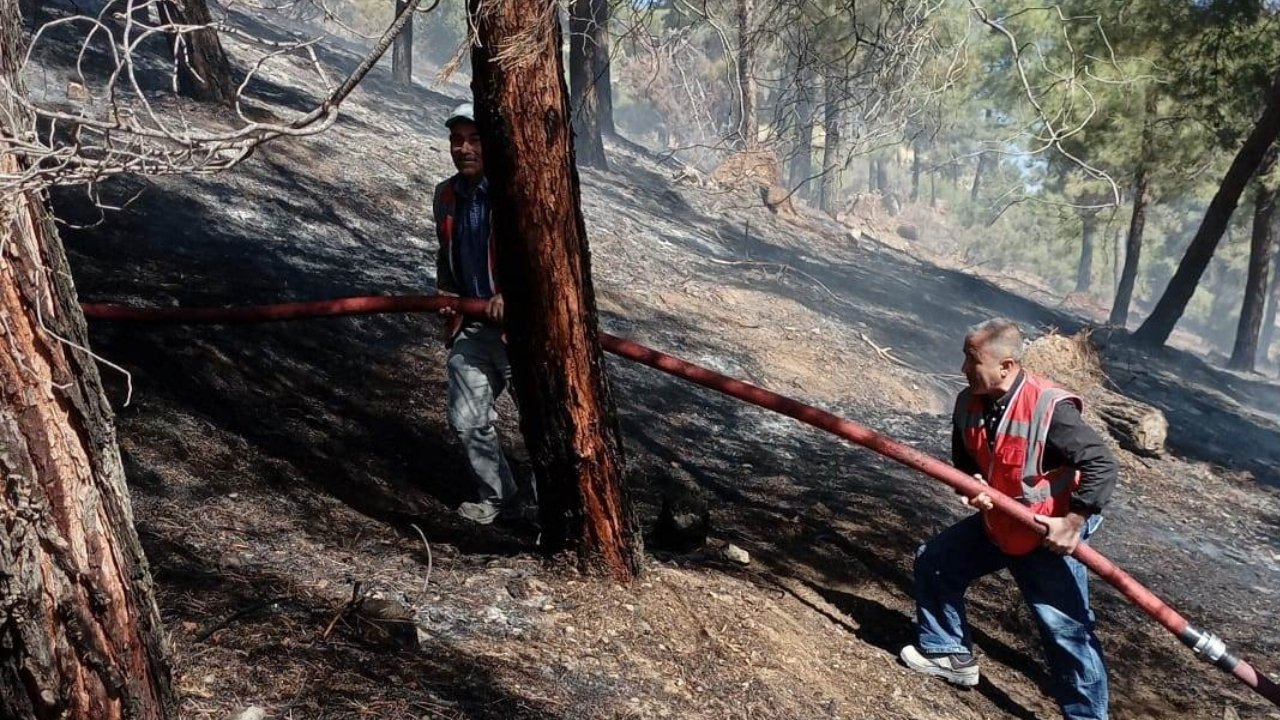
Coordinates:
(1206,645)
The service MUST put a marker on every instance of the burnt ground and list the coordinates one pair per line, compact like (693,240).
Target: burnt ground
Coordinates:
(274,466)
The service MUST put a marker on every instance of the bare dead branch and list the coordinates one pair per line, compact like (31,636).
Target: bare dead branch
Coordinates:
(118,128)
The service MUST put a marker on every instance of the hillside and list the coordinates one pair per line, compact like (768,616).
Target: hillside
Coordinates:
(273,467)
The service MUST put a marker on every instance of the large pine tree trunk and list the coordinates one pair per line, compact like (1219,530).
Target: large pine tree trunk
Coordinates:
(204,72)
(1138,220)
(1159,324)
(566,412)
(750,120)
(1088,233)
(402,51)
(829,199)
(1245,350)
(588,142)
(79,629)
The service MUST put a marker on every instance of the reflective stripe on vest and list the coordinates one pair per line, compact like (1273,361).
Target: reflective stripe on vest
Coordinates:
(449,199)
(1023,428)
(1041,418)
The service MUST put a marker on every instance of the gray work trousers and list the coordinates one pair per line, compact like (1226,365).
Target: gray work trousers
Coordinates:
(478,373)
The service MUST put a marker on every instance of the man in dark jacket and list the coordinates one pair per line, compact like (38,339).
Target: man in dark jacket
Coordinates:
(1023,436)
(478,368)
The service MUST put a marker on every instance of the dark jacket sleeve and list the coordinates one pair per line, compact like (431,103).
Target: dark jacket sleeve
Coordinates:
(1078,445)
(445,282)
(960,456)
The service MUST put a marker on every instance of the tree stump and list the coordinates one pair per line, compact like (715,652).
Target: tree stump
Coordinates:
(1140,428)
(778,199)
(383,622)
(684,519)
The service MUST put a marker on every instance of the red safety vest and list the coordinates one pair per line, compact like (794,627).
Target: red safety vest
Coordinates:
(1013,466)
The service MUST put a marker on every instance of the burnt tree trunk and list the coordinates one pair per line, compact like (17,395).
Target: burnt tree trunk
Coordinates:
(119,18)
(915,172)
(978,173)
(1245,350)
(1160,323)
(829,196)
(750,121)
(1269,321)
(604,68)
(1138,220)
(79,628)
(933,187)
(402,51)
(1117,257)
(566,413)
(588,142)
(800,168)
(204,72)
(1088,233)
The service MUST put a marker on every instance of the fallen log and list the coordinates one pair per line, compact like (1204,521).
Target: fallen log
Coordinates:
(1137,426)
(1073,362)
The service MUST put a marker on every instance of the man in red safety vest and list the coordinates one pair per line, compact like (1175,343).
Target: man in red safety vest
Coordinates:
(1023,436)
(478,368)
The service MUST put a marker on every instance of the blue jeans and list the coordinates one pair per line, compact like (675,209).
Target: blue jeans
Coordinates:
(1054,587)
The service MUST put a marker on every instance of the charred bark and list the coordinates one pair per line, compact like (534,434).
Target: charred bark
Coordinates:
(402,51)
(204,73)
(566,413)
(584,67)
(79,628)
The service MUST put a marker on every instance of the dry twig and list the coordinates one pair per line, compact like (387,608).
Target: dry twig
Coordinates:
(427,580)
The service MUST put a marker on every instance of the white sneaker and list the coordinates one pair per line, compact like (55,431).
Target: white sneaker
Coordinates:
(956,669)
(480,513)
